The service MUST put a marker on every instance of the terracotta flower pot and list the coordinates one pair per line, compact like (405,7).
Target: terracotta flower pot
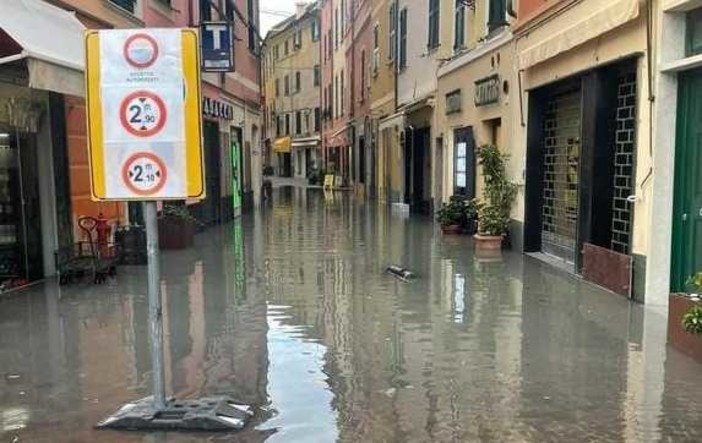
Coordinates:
(451,230)
(488,242)
(679,338)
(175,233)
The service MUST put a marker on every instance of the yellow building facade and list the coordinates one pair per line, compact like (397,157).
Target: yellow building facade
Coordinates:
(293,81)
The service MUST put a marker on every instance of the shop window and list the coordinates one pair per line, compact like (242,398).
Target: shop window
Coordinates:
(433,37)
(694,33)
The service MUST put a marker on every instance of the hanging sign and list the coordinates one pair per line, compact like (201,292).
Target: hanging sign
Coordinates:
(217,48)
(144,114)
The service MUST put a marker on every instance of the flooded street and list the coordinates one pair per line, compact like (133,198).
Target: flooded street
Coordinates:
(291,311)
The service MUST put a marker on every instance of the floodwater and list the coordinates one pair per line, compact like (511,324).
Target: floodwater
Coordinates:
(290,311)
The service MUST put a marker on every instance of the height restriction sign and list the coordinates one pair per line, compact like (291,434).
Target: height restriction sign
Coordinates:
(144,116)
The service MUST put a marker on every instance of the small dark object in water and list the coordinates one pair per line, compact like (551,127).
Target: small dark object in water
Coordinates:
(400,272)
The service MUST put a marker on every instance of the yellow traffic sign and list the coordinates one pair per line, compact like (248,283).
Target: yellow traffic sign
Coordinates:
(144,115)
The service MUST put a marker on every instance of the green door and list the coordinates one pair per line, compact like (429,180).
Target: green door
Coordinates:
(236,174)
(687,216)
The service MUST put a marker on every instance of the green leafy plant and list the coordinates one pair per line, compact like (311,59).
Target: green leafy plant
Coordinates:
(179,211)
(692,320)
(451,213)
(459,211)
(499,192)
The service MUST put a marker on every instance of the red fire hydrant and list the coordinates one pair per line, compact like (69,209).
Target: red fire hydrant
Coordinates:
(103,233)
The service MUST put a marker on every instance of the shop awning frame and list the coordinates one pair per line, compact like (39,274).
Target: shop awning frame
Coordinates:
(614,15)
(51,42)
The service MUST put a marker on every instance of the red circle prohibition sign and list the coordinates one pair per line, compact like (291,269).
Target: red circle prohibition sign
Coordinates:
(127,50)
(162,173)
(127,123)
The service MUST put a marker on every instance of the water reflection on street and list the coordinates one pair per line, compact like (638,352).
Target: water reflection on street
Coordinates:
(290,311)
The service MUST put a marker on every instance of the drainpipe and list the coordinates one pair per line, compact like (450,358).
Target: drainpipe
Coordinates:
(397,49)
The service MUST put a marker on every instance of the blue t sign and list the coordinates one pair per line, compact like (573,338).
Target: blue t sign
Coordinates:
(217,49)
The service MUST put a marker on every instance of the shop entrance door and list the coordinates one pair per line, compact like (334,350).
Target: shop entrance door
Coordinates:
(211,207)
(687,216)
(20,217)
(561,159)
(236,155)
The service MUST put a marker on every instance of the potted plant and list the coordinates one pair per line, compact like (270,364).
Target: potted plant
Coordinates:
(471,210)
(499,195)
(176,227)
(685,319)
(451,216)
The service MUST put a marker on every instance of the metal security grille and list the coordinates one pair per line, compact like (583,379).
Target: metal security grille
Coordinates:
(624,143)
(561,175)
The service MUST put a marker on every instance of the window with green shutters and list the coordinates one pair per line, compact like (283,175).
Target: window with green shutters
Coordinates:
(459,32)
(403,39)
(433,41)
(694,33)
(497,14)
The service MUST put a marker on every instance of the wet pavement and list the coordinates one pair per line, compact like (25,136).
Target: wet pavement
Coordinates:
(291,311)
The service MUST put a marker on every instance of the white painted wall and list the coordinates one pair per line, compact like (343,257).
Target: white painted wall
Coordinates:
(418,79)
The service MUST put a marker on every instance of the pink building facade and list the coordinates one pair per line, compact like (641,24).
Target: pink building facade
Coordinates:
(232,116)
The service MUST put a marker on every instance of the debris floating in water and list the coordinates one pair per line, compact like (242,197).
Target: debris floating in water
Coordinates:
(400,272)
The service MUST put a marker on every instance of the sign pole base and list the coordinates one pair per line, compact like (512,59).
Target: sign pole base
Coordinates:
(155,413)
(216,414)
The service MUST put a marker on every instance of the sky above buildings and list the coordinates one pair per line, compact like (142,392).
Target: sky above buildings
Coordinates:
(274,12)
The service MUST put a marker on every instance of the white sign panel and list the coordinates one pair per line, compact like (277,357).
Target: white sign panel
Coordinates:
(142,92)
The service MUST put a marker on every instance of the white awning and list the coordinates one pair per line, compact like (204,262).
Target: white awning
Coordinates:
(614,15)
(397,119)
(51,42)
(309,142)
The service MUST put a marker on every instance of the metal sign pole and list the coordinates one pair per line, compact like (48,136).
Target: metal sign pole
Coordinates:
(150,173)
(155,308)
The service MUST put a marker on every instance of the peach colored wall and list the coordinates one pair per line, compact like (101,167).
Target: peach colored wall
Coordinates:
(77,144)
(528,9)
